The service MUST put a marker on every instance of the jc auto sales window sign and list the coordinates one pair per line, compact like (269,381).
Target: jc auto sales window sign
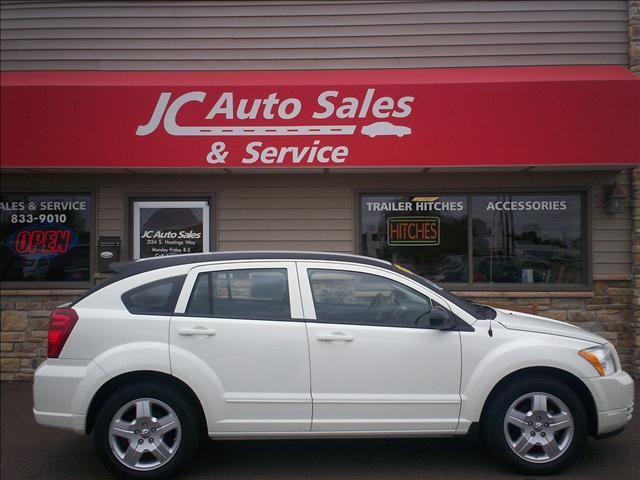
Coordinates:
(170,228)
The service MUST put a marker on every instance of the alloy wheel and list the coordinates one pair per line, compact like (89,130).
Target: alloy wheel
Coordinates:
(538,427)
(144,434)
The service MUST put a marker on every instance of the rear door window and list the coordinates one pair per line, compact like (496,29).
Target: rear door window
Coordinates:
(155,298)
(260,294)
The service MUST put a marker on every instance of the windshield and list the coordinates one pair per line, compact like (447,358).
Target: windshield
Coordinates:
(481,312)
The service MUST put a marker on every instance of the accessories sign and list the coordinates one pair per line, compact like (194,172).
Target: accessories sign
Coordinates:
(320,119)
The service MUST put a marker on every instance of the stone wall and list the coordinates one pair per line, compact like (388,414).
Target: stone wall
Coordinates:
(606,310)
(25,322)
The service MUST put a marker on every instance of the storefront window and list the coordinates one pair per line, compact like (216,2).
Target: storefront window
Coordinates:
(515,238)
(427,233)
(170,228)
(46,237)
(528,238)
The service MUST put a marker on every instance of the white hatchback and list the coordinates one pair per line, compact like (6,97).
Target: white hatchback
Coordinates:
(302,345)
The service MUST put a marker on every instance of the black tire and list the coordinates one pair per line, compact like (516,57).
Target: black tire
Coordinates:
(494,430)
(185,410)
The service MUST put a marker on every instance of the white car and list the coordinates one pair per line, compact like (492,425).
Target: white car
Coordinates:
(304,345)
(385,129)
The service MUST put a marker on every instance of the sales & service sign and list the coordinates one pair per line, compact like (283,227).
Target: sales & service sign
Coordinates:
(45,237)
(277,130)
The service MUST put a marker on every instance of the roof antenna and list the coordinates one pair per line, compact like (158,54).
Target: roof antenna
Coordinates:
(490,329)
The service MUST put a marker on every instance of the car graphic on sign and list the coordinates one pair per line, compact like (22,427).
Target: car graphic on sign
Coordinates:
(385,128)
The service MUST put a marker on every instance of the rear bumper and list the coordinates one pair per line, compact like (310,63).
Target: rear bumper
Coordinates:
(67,421)
(62,391)
(614,399)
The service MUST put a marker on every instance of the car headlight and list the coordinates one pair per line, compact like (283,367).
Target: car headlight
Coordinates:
(601,358)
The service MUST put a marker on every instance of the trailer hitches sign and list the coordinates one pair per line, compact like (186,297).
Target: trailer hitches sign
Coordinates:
(327,119)
(416,231)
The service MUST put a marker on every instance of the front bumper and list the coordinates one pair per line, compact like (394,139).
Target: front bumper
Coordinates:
(614,399)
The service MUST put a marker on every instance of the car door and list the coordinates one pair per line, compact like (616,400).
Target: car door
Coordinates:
(374,364)
(239,336)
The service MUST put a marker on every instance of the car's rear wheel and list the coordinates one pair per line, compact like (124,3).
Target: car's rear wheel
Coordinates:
(537,425)
(146,431)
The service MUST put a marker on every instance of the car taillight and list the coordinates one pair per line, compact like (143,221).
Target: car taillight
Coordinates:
(61,323)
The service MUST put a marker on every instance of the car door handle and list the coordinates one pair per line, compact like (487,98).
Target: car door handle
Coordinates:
(196,331)
(333,337)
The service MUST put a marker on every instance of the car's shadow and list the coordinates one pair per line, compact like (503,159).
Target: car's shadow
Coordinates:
(401,458)
(71,457)
(342,458)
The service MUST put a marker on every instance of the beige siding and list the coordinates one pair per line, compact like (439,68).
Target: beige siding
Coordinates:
(317,212)
(309,35)
(612,233)
(279,217)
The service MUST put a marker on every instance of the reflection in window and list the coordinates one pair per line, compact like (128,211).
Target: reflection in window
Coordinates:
(246,294)
(426,233)
(516,238)
(360,298)
(528,238)
(45,237)
(155,298)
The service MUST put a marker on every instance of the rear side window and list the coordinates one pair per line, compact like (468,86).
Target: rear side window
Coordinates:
(155,298)
(260,294)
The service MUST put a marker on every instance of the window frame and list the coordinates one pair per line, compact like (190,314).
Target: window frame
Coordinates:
(370,324)
(295,303)
(130,197)
(211,295)
(465,323)
(587,222)
(177,280)
(137,205)
(93,241)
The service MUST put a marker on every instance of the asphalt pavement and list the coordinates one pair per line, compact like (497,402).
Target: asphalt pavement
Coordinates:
(30,451)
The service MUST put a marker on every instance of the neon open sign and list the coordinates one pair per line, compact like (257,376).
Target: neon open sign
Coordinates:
(38,241)
(413,231)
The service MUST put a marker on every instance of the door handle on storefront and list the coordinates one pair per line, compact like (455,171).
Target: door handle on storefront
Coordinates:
(333,337)
(197,331)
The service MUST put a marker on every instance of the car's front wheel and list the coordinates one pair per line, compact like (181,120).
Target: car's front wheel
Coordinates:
(537,425)
(146,431)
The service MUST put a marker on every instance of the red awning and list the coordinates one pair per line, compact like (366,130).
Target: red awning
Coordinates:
(521,116)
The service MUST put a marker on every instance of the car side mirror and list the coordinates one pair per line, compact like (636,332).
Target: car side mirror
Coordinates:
(441,319)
